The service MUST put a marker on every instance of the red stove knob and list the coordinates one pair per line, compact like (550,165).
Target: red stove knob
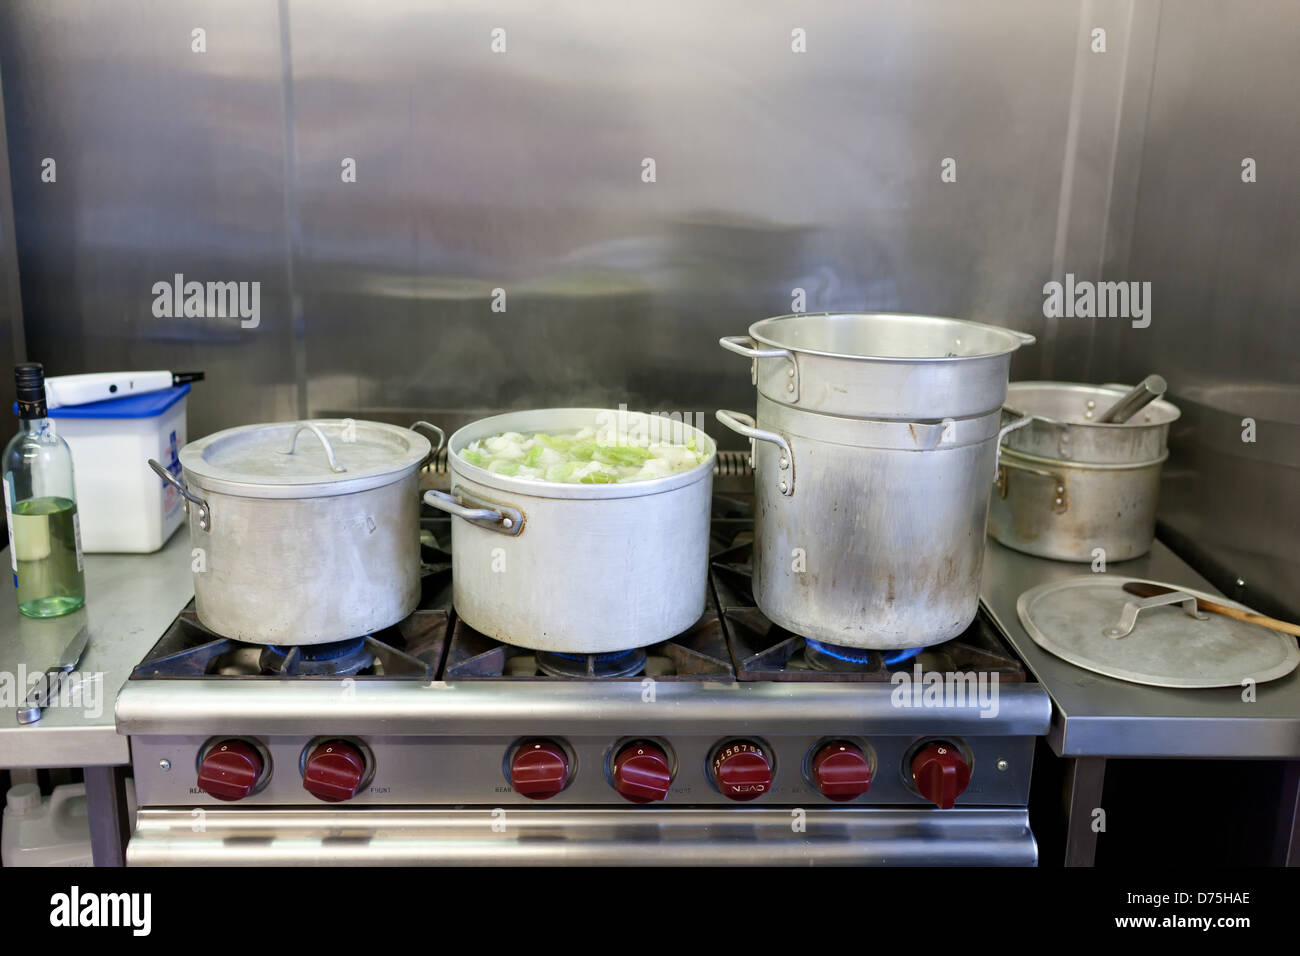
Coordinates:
(539,769)
(841,771)
(334,771)
(642,773)
(940,774)
(741,770)
(230,770)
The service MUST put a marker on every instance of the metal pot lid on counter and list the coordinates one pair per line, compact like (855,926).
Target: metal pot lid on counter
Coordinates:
(1163,641)
(306,459)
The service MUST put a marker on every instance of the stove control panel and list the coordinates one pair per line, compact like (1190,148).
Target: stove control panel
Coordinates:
(590,769)
(741,770)
(940,773)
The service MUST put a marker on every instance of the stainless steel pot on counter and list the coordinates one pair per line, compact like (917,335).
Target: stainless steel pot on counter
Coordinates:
(1067,484)
(577,568)
(874,451)
(304,532)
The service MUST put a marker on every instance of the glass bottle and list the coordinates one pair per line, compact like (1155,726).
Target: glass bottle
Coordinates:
(41,507)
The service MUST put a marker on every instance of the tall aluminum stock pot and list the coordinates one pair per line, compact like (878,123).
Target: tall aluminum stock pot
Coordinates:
(578,568)
(304,532)
(875,447)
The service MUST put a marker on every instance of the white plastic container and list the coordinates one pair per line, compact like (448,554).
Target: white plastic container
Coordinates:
(49,831)
(121,504)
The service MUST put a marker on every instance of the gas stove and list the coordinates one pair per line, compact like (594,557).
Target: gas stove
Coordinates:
(735,742)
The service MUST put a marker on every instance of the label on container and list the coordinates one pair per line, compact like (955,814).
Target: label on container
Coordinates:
(9,522)
(76,533)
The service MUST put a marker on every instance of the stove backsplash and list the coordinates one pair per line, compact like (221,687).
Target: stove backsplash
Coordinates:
(442,210)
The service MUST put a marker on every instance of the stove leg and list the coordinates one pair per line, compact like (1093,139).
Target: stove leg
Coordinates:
(107,810)
(1083,784)
(1288,830)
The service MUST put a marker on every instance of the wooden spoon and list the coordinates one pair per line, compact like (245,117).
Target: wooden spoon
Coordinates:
(1141,589)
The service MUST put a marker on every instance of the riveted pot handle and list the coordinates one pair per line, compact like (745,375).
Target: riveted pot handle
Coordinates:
(500,518)
(205,513)
(743,424)
(315,430)
(442,437)
(1060,490)
(744,345)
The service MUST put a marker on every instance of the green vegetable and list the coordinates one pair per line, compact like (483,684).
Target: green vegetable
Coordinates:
(627,456)
(534,455)
(474,458)
(599,478)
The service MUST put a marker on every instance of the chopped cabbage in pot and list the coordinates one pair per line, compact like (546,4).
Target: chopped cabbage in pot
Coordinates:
(581,456)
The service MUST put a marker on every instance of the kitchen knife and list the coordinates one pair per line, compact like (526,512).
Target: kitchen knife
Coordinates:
(31,709)
(1144,590)
(64,390)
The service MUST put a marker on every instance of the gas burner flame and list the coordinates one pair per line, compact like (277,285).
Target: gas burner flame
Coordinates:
(901,656)
(849,655)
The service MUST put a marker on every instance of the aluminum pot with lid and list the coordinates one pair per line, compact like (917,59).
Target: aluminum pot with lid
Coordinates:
(578,568)
(304,532)
(1072,488)
(874,449)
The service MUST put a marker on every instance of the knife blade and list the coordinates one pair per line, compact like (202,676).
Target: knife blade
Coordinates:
(47,686)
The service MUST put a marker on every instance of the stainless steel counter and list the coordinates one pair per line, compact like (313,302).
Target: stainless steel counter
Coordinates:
(1097,716)
(130,601)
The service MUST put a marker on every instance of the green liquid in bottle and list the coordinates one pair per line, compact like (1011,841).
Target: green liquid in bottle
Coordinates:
(50,580)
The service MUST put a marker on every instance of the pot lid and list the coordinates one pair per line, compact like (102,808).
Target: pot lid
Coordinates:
(1090,621)
(303,459)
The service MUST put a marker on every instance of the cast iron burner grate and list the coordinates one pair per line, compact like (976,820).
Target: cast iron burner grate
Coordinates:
(592,666)
(698,653)
(339,659)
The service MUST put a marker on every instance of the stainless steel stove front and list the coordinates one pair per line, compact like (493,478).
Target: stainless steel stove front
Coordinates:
(440,793)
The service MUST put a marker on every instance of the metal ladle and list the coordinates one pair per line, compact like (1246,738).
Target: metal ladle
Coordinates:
(1134,400)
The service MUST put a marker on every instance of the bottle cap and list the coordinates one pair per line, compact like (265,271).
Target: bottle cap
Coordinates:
(29,379)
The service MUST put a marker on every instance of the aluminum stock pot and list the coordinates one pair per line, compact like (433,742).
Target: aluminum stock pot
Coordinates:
(576,568)
(875,446)
(304,532)
(1067,485)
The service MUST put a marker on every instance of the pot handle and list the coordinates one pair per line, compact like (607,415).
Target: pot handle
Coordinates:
(1061,494)
(205,513)
(1006,430)
(744,424)
(744,345)
(442,437)
(315,430)
(500,518)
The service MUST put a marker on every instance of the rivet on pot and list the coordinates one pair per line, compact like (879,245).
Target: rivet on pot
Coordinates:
(507,522)
(790,387)
(784,487)
(784,462)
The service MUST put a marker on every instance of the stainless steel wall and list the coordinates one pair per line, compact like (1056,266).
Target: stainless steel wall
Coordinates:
(522,171)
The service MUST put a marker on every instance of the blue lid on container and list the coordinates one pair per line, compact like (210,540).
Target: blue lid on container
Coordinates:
(148,405)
